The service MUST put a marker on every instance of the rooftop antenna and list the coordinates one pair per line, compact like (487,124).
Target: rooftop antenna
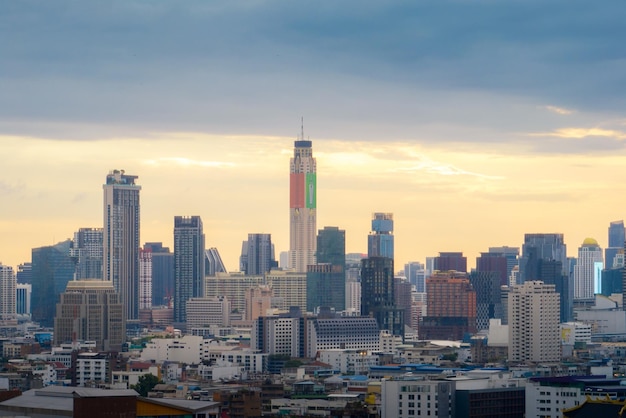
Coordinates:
(302,128)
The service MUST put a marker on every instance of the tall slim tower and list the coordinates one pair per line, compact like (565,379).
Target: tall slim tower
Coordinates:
(380,240)
(120,258)
(8,294)
(588,270)
(302,206)
(188,263)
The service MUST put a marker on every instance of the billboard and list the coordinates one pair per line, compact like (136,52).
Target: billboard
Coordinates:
(311,190)
(296,190)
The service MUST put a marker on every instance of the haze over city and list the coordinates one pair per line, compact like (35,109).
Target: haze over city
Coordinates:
(473,123)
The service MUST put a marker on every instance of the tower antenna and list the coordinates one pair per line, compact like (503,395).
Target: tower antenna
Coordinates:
(302,128)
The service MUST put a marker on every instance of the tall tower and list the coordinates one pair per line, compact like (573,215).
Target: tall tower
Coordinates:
(257,255)
(87,253)
(120,259)
(326,280)
(541,247)
(616,242)
(380,240)
(378,294)
(302,206)
(188,263)
(534,332)
(588,270)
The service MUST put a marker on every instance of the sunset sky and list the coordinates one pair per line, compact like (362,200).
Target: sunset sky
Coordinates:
(473,122)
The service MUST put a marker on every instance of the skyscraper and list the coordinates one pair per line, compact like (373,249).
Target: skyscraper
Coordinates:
(511,254)
(145,278)
(87,253)
(450,261)
(380,240)
(188,263)
(257,254)
(534,332)
(326,281)
(213,262)
(616,242)
(541,246)
(494,262)
(302,206)
(8,282)
(90,310)
(378,294)
(415,273)
(52,268)
(162,280)
(588,270)
(121,238)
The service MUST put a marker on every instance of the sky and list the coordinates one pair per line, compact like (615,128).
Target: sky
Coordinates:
(473,122)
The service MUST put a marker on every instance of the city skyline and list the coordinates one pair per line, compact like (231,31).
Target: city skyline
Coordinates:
(473,123)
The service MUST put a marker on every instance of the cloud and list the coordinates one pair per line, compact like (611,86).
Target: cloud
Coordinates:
(559,110)
(580,133)
(187,162)
(433,167)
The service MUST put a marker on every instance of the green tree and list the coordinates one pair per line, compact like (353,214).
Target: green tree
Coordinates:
(145,384)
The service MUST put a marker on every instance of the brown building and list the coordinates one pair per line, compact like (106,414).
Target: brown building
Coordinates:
(451,307)
(239,404)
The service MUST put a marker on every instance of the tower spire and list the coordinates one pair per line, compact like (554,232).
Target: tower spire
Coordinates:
(302,128)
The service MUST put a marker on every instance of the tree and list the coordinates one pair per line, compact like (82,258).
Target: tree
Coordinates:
(145,384)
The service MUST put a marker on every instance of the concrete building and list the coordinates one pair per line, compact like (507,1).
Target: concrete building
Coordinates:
(413,396)
(588,270)
(450,261)
(204,312)
(534,333)
(23,299)
(120,259)
(8,285)
(90,310)
(350,333)
(259,300)
(87,252)
(353,362)
(189,349)
(279,335)
(302,206)
(188,263)
(289,286)
(234,286)
(92,369)
(145,278)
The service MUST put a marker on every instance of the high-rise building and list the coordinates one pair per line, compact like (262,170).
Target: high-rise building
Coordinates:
(450,261)
(23,296)
(234,286)
(162,280)
(616,242)
(415,273)
(206,312)
(213,262)
(403,297)
(534,331)
(550,272)
(302,206)
(188,263)
(541,247)
(496,263)
(511,254)
(8,283)
(487,286)
(90,310)
(145,278)
(52,268)
(25,273)
(588,270)
(290,286)
(326,281)
(121,238)
(87,251)
(378,294)
(451,307)
(380,240)
(257,254)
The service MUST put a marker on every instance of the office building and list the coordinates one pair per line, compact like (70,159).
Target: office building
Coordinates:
(450,261)
(302,206)
(206,312)
(550,272)
(259,300)
(588,270)
(188,263)
(356,333)
(403,298)
(24,293)
(279,335)
(326,280)
(378,294)
(289,286)
(162,279)
(145,278)
(86,251)
(25,272)
(450,307)
(234,286)
(496,263)
(52,269)
(616,242)
(415,273)
(8,283)
(534,328)
(511,254)
(213,262)
(257,255)
(380,240)
(541,247)
(409,397)
(121,238)
(487,286)
(90,310)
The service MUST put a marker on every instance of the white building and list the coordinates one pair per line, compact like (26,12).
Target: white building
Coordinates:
(533,314)
(204,312)
(351,333)
(588,270)
(277,335)
(353,296)
(145,278)
(189,349)
(288,286)
(413,397)
(23,295)
(8,284)
(91,369)
(349,361)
